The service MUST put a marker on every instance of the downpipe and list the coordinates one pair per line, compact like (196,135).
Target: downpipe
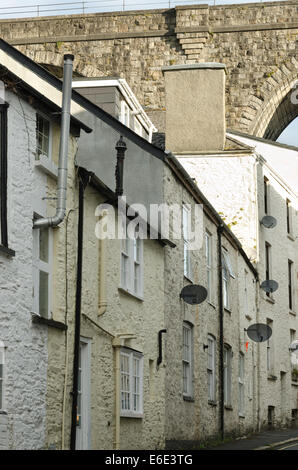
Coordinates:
(63,149)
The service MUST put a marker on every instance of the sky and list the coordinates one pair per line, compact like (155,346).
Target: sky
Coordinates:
(27,8)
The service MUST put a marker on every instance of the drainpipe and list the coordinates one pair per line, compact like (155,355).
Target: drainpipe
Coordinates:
(117,345)
(103,303)
(63,148)
(221,331)
(83,181)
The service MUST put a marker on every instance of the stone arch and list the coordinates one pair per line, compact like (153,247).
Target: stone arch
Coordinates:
(270,110)
(53,61)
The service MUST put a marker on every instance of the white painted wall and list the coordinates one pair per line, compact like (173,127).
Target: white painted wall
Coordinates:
(23,427)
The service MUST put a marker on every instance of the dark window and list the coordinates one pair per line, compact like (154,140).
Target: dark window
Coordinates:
(267,263)
(288,203)
(290,287)
(3,174)
(266,195)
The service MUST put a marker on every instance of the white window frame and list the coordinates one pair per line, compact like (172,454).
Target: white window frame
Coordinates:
(47,155)
(228,375)
(246,312)
(211,368)
(2,376)
(241,382)
(125,113)
(209,268)
(138,128)
(130,264)
(227,273)
(131,355)
(46,267)
(270,350)
(187,360)
(186,227)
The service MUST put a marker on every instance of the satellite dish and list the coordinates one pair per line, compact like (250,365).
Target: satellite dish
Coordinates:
(259,332)
(193,294)
(268,221)
(269,286)
(294,347)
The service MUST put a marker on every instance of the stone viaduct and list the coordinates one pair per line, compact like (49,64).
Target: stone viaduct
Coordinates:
(258,42)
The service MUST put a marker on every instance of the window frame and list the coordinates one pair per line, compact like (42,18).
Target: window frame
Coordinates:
(132,354)
(41,157)
(46,267)
(187,363)
(241,385)
(268,265)
(211,370)
(266,195)
(137,126)
(270,349)
(289,217)
(290,285)
(125,113)
(127,282)
(228,354)
(186,227)
(209,268)
(3,176)
(227,273)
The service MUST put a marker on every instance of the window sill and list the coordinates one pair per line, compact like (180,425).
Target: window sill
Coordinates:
(212,305)
(131,414)
(291,312)
(46,321)
(188,278)
(188,398)
(226,309)
(295,383)
(270,300)
(2,412)
(241,416)
(47,166)
(271,377)
(291,237)
(7,251)
(131,294)
(248,317)
(212,403)
(229,407)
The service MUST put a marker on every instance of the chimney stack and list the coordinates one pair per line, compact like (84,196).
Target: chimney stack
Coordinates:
(195,107)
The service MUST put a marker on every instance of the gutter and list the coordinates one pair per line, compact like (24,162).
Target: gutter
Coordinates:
(63,149)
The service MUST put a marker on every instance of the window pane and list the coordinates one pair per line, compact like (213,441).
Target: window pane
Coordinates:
(124,270)
(125,383)
(43,293)
(42,136)
(44,245)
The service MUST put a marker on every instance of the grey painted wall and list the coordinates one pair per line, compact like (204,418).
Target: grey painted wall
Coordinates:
(143,172)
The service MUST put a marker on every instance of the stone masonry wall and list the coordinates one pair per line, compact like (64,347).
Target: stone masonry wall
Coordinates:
(257,42)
